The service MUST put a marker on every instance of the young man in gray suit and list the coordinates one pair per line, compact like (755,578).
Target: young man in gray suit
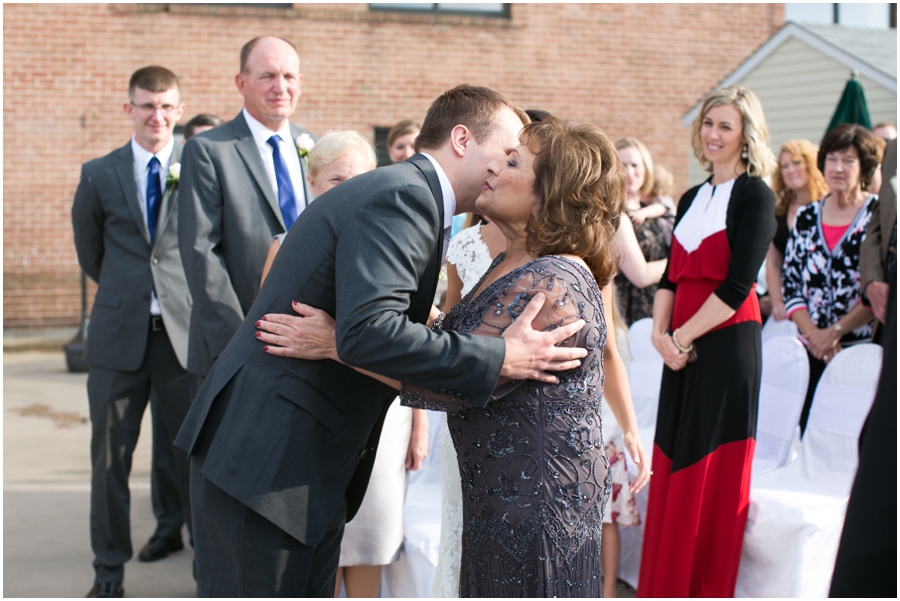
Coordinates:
(243,183)
(124,218)
(282,448)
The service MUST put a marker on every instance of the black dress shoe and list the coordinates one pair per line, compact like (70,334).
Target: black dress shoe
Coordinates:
(107,589)
(158,548)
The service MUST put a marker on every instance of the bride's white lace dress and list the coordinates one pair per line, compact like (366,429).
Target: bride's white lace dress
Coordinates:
(471,257)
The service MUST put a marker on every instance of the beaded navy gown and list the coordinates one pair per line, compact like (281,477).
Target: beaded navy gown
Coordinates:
(534,473)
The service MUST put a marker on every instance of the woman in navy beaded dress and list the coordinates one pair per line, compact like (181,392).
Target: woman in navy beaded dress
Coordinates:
(535,476)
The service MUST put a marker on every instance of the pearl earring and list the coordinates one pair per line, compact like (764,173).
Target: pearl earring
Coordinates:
(744,152)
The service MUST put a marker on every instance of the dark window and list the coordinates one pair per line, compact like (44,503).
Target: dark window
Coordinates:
(487,9)
(381,150)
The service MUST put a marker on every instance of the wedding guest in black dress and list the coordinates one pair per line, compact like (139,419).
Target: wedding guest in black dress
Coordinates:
(645,237)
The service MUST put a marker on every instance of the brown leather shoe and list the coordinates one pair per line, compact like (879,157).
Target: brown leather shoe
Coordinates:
(159,548)
(107,589)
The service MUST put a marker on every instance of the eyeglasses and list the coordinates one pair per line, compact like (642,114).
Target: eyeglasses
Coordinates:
(149,109)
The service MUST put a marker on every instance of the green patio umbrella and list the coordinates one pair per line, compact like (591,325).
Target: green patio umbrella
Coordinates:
(852,107)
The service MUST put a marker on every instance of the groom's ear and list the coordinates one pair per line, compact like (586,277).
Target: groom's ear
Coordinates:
(460,139)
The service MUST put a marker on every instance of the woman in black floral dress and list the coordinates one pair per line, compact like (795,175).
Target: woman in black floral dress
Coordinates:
(534,472)
(645,234)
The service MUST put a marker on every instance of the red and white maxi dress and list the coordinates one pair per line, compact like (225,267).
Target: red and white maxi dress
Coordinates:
(706,428)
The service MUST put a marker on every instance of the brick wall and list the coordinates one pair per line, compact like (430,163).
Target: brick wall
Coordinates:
(631,69)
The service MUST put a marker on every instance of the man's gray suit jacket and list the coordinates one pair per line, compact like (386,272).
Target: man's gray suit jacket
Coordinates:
(298,437)
(228,217)
(114,250)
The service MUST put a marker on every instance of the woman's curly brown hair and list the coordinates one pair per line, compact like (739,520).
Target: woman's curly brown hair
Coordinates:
(580,182)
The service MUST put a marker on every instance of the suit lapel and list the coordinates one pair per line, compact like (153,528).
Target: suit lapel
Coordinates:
(168,199)
(128,181)
(246,147)
(307,191)
(425,166)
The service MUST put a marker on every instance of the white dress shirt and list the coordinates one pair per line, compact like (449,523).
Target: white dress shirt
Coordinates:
(288,147)
(142,158)
(449,197)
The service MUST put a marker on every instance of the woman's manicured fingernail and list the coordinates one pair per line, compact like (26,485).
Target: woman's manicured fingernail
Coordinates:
(258,334)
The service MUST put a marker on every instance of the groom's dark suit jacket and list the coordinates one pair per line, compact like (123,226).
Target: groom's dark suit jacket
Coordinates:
(290,439)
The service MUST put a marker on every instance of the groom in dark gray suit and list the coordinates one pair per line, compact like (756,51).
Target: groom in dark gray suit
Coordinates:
(125,219)
(243,183)
(282,448)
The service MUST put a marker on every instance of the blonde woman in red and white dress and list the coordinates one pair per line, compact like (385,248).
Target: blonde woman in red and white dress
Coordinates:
(706,326)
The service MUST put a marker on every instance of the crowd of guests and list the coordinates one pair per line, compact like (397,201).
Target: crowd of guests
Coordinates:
(190,242)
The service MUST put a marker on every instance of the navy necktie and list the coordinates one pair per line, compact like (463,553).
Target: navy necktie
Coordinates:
(286,199)
(154,197)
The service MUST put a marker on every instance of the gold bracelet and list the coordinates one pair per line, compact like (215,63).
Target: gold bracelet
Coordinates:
(680,348)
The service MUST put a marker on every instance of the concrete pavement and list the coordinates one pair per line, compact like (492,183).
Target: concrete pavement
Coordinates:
(46,489)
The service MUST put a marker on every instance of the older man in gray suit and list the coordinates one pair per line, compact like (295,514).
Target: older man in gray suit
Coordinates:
(243,183)
(125,223)
(282,448)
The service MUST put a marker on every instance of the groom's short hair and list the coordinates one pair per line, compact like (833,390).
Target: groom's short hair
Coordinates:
(472,106)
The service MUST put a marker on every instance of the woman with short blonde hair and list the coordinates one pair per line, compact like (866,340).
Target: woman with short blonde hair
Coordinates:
(334,145)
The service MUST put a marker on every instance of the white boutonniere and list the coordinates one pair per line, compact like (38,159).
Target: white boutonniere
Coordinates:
(173,176)
(304,144)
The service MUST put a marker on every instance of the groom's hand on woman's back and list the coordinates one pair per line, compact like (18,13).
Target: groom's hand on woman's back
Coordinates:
(532,355)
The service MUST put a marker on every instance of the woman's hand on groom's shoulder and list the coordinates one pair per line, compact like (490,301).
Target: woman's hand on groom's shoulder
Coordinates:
(308,335)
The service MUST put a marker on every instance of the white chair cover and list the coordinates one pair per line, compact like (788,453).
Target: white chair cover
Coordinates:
(797,512)
(785,377)
(632,537)
(412,574)
(773,329)
(644,373)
